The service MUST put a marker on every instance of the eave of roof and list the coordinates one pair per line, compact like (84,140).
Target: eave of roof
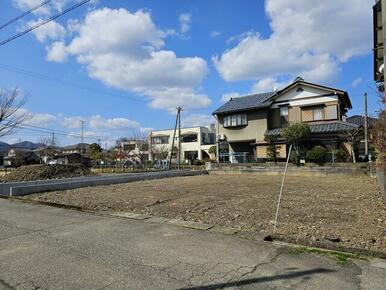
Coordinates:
(321,128)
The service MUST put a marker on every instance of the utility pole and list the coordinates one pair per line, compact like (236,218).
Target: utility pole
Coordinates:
(81,143)
(366,128)
(178,123)
(53,139)
(104,156)
(179,109)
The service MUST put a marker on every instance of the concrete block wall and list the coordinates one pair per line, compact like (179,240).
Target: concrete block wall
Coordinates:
(272,169)
(25,188)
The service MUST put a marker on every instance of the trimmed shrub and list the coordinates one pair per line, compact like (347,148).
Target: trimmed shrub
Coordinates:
(213,150)
(197,162)
(340,155)
(317,154)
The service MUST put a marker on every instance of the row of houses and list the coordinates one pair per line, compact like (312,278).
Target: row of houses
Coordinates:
(243,123)
(47,154)
(238,134)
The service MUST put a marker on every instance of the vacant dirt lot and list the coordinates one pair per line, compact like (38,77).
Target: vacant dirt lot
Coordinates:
(315,208)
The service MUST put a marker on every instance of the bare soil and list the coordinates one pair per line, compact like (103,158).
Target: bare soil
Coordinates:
(350,209)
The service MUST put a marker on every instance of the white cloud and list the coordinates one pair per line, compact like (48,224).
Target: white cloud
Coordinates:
(193,120)
(308,39)
(185,21)
(268,85)
(52,6)
(214,33)
(123,50)
(226,97)
(356,82)
(171,97)
(37,119)
(97,122)
(52,30)
(28,4)
(72,122)
(56,52)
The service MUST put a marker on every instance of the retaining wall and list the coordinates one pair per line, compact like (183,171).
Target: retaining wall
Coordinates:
(272,169)
(29,187)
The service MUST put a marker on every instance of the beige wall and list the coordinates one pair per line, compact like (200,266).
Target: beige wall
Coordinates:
(257,125)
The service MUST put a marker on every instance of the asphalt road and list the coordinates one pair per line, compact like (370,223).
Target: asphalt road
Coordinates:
(44,247)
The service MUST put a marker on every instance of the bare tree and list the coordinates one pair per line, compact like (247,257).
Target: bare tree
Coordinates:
(46,141)
(10,115)
(353,137)
(379,132)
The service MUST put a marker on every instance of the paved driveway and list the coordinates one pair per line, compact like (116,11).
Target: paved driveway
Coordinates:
(51,248)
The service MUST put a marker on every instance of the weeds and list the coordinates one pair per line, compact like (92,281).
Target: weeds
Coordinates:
(340,257)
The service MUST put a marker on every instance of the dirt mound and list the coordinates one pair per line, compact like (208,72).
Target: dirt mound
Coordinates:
(44,171)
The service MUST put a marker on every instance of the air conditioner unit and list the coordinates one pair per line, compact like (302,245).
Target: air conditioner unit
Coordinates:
(220,137)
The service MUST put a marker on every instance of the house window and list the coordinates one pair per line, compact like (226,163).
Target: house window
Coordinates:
(160,140)
(189,138)
(331,112)
(318,114)
(312,114)
(235,120)
(283,115)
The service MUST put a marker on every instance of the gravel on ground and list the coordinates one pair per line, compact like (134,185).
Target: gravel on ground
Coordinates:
(349,210)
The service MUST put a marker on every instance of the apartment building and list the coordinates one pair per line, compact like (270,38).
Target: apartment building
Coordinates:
(195,144)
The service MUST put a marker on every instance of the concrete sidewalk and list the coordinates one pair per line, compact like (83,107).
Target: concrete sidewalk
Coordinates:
(52,248)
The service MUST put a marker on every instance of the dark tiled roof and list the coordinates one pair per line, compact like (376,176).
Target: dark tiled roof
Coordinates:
(250,102)
(331,127)
(360,120)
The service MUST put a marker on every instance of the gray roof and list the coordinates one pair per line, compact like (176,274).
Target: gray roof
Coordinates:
(245,103)
(330,127)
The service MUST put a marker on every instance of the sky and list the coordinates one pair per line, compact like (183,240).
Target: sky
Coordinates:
(124,66)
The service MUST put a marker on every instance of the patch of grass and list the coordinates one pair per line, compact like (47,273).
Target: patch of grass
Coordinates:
(340,257)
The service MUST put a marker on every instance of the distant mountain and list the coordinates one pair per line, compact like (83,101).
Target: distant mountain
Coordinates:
(4,146)
(27,145)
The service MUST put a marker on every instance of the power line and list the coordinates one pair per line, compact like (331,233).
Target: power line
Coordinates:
(24,14)
(43,22)
(61,132)
(63,82)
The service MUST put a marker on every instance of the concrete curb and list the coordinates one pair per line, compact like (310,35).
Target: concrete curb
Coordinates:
(29,187)
(249,235)
(331,247)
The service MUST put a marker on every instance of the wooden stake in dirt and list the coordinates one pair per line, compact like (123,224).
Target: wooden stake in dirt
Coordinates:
(281,189)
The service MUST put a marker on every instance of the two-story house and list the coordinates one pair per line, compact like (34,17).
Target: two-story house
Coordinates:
(77,148)
(244,122)
(195,143)
(134,150)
